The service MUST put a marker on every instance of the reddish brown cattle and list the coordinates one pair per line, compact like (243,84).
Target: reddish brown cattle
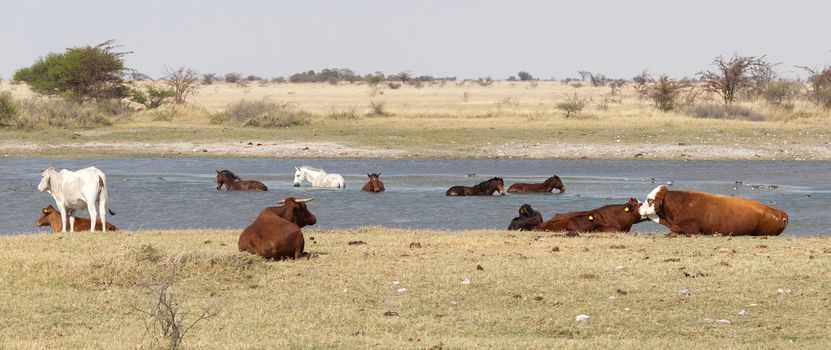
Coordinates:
(374,184)
(609,218)
(526,221)
(275,233)
(692,213)
(49,216)
(546,186)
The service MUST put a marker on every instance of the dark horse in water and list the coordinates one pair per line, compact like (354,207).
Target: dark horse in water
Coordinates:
(374,184)
(546,186)
(485,188)
(233,182)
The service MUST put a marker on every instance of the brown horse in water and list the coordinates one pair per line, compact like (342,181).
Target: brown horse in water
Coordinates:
(546,186)
(374,184)
(233,182)
(50,216)
(485,188)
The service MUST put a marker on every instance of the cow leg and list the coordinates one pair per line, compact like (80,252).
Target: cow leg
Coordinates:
(71,222)
(102,211)
(63,218)
(92,216)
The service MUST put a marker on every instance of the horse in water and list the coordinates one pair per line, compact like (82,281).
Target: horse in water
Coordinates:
(485,188)
(317,177)
(546,186)
(374,184)
(233,182)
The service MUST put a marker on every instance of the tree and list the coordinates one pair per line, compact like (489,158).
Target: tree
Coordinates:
(735,74)
(183,81)
(820,83)
(80,73)
(152,97)
(665,92)
(525,76)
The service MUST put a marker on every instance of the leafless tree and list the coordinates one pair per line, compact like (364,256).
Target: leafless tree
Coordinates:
(734,74)
(208,78)
(615,85)
(184,81)
(641,83)
(820,83)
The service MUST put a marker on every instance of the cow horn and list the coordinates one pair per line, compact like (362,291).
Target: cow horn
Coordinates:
(304,200)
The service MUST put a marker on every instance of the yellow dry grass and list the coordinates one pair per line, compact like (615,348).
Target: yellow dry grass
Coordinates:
(454,116)
(80,291)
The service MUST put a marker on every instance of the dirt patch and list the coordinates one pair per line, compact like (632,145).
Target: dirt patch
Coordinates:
(337,150)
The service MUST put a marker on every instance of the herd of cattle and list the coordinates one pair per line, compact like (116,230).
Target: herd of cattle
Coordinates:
(276,232)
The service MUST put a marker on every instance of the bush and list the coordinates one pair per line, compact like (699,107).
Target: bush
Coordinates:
(820,82)
(665,93)
(8,107)
(377,108)
(233,78)
(152,97)
(525,76)
(722,111)
(38,114)
(781,92)
(263,114)
(572,105)
(208,78)
(393,85)
(80,74)
(343,115)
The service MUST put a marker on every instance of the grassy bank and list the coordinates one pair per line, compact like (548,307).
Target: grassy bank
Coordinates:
(84,290)
(458,119)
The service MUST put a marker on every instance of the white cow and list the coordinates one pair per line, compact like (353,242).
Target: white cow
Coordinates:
(81,189)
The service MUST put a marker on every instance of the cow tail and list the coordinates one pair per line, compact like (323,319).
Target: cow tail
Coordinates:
(103,196)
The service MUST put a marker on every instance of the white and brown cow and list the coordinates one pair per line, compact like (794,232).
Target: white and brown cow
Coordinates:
(82,189)
(693,213)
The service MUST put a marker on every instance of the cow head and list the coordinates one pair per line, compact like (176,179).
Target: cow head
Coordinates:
(295,211)
(526,210)
(43,220)
(47,175)
(654,202)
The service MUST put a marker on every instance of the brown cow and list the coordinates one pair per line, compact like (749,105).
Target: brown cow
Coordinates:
(609,218)
(692,213)
(526,221)
(275,233)
(49,216)
(546,186)
(374,184)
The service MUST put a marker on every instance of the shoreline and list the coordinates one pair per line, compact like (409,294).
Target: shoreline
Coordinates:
(511,150)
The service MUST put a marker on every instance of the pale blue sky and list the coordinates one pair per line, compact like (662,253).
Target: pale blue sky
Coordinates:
(468,39)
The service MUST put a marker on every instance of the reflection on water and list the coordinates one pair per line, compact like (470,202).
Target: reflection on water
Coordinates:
(155,193)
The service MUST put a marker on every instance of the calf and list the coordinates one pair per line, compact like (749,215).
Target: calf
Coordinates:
(49,216)
(526,221)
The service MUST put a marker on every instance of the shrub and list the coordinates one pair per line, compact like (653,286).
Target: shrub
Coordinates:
(665,93)
(377,108)
(781,92)
(233,78)
(208,78)
(572,105)
(8,107)
(525,76)
(736,74)
(393,85)
(820,83)
(641,82)
(615,85)
(152,97)
(40,113)
(80,74)
(263,114)
(486,81)
(722,111)
(184,81)
(346,114)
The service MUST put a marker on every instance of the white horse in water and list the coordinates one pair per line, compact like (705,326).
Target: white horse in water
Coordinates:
(317,177)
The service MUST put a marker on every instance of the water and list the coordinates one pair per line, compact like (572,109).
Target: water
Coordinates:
(166,193)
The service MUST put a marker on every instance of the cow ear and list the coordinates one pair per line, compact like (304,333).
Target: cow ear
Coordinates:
(369,176)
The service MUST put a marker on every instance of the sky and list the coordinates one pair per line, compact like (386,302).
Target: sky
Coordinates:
(466,39)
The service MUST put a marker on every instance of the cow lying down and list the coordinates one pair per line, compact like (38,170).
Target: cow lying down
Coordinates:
(610,218)
(692,213)
(526,221)
(50,216)
(275,233)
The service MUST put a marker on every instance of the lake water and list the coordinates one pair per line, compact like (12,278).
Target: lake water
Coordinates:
(165,193)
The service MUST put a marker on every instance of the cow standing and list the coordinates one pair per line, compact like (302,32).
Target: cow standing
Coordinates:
(82,189)
(275,233)
(692,213)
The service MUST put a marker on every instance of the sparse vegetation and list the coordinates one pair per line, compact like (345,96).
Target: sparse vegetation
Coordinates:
(820,83)
(723,111)
(151,96)
(77,291)
(666,92)
(8,107)
(38,113)
(737,73)
(342,114)
(781,92)
(233,78)
(183,81)
(264,114)
(377,109)
(573,104)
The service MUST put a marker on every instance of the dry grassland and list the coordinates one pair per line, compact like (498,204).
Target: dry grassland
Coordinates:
(82,291)
(459,119)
